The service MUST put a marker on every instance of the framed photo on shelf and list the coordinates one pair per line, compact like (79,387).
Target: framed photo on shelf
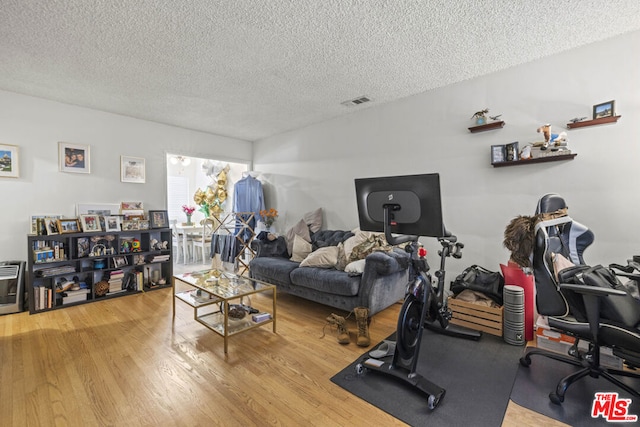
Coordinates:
(119,261)
(37,223)
(143,224)
(606,109)
(90,222)
(159,219)
(83,247)
(498,153)
(112,223)
(131,206)
(9,164)
(511,152)
(104,209)
(132,169)
(51,225)
(129,224)
(74,158)
(68,225)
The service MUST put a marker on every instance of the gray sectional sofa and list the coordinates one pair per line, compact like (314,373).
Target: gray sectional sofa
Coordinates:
(381,283)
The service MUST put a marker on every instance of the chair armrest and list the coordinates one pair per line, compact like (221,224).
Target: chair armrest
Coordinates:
(270,248)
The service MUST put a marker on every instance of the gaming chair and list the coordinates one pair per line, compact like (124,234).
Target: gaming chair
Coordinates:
(588,303)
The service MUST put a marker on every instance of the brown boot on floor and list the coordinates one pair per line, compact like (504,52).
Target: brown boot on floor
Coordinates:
(362,319)
(341,325)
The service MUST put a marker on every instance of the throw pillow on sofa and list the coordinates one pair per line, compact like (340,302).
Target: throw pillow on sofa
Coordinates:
(300,250)
(301,230)
(323,258)
(313,220)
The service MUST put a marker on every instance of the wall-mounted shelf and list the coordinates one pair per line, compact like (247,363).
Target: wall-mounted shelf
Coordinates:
(488,126)
(593,122)
(544,159)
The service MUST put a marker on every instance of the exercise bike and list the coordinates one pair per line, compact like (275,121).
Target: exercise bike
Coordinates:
(424,306)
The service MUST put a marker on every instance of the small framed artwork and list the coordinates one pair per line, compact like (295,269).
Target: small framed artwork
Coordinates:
(83,247)
(74,158)
(37,224)
(131,206)
(511,151)
(90,223)
(143,224)
(606,109)
(129,224)
(119,261)
(498,153)
(112,223)
(104,209)
(9,166)
(158,219)
(70,225)
(132,169)
(51,225)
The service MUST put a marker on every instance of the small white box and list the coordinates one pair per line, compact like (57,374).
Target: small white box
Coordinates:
(261,317)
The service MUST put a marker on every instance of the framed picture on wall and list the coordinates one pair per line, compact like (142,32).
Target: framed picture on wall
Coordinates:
(606,109)
(9,165)
(74,158)
(132,169)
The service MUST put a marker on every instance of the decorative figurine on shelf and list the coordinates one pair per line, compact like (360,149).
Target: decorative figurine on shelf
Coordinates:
(577,119)
(480,116)
(495,118)
(135,246)
(525,154)
(554,140)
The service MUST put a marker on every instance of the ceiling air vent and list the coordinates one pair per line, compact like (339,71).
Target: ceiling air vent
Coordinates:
(356,101)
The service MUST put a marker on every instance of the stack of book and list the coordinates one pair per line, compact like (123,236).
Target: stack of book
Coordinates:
(115,281)
(75,296)
(158,258)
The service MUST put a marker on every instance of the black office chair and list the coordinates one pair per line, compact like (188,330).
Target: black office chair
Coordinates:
(586,302)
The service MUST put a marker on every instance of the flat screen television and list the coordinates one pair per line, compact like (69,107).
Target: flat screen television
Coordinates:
(412,201)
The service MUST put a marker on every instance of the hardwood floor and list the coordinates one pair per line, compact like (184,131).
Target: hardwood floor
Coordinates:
(125,362)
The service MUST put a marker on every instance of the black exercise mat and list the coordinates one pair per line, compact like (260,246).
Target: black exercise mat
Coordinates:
(533,385)
(477,377)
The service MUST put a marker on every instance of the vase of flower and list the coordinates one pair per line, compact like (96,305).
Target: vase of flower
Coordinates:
(188,211)
(268,217)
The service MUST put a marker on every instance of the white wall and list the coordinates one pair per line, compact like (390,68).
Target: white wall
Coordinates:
(316,166)
(36,126)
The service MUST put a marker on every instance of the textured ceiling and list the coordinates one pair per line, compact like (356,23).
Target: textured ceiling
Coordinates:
(252,69)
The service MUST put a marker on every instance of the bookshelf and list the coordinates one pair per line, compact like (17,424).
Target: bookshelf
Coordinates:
(78,268)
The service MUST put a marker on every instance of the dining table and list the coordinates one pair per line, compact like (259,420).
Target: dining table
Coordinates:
(185,232)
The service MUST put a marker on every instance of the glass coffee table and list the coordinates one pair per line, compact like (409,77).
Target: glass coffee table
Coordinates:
(219,300)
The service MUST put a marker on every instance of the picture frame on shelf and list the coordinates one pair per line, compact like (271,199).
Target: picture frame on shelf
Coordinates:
(9,161)
(104,209)
(511,151)
(68,225)
(83,247)
(143,224)
(498,153)
(74,158)
(51,225)
(112,223)
(158,219)
(37,224)
(90,223)
(120,261)
(132,169)
(606,109)
(129,224)
(131,206)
